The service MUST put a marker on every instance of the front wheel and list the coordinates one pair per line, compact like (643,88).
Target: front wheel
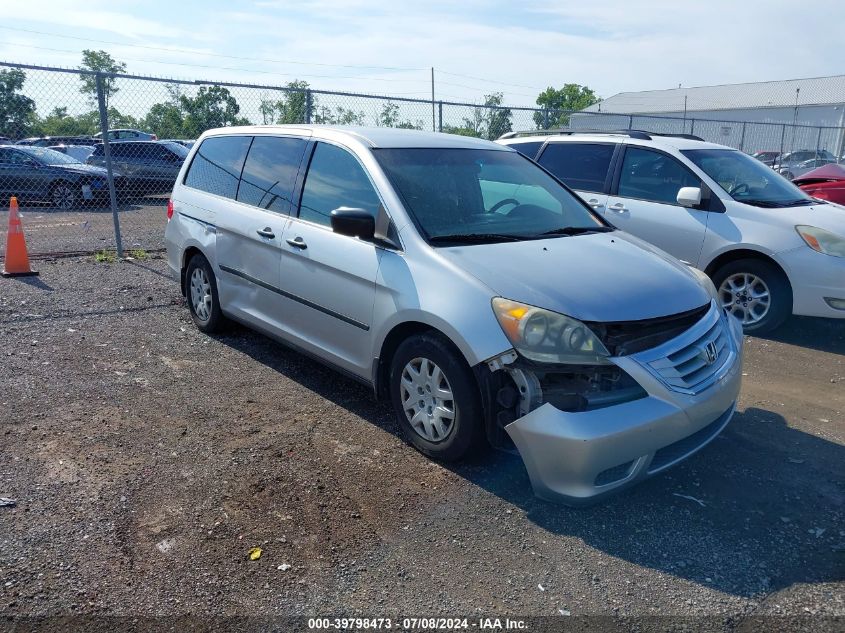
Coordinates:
(756,292)
(435,397)
(63,195)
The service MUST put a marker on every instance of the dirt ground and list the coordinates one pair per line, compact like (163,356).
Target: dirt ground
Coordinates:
(147,459)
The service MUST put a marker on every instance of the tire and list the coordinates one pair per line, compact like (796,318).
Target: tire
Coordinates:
(63,195)
(201,294)
(742,296)
(463,434)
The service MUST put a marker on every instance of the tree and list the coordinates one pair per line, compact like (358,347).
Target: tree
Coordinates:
(212,107)
(338,116)
(17,111)
(497,119)
(292,108)
(59,123)
(167,119)
(99,61)
(389,117)
(570,98)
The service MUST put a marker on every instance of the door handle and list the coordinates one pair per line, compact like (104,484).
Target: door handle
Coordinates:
(618,207)
(266,232)
(297,242)
(593,202)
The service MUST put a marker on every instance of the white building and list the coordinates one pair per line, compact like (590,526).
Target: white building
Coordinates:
(770,115)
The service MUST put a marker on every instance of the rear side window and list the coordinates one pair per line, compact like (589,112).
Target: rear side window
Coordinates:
(216,167)
(270,172)
(527,149)
(335,179)
(582,166)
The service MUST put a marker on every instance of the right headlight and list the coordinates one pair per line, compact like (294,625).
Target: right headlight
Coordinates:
(822,241)
(548,337)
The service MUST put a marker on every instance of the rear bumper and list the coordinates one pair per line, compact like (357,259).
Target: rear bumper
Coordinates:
(578,458)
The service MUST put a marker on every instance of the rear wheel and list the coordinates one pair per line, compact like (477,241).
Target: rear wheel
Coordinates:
(756,292)
(201,292)
(436,398)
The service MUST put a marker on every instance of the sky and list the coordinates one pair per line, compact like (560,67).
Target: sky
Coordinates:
(475,47)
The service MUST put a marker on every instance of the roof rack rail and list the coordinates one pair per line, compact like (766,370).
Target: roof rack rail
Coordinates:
(638,134)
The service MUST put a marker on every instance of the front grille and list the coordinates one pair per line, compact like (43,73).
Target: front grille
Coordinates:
(629,337)
(691,364)
(670,454)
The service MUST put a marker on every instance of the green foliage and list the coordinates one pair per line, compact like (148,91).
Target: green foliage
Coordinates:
(497,118)
(60,123)
(571,97)
(338,116)
(389,117)
(17,111)
(99,61)
(105,257)
(213,107)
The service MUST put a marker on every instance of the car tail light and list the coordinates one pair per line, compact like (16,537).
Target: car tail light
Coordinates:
(169,209)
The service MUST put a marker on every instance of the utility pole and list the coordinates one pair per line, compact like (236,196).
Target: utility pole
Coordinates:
(433,124)
(794,119)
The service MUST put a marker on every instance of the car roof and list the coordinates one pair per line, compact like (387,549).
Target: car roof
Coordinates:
(674,142)
(373,137)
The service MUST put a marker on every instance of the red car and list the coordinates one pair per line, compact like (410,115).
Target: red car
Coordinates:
(826,183)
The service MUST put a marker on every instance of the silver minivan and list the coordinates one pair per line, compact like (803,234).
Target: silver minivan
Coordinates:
(469,287)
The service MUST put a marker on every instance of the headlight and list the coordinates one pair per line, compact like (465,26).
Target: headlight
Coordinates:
(822,241)
(705,281)
(548,337)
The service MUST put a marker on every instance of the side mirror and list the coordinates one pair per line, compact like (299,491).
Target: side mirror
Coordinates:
(689,197)
(353,222)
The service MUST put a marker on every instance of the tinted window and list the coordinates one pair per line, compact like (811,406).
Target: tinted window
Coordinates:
(580,165)
(217,165)
(456,192)
(527,149)
(648,175)
(335,179)
(270,172)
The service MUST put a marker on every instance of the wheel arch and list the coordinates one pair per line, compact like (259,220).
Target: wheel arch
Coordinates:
(743,253)
(187,255)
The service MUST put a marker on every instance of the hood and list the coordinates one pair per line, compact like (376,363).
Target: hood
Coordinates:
(826,172)
(598,277)
(82,168)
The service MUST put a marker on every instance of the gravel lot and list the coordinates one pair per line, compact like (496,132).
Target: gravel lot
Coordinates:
(91,228)
(147,459)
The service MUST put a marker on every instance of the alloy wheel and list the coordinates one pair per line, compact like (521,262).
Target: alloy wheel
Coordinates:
(746,296)
(201,294)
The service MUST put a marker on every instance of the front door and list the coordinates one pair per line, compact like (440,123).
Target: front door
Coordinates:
(583,167)
(645,203)
(330,278)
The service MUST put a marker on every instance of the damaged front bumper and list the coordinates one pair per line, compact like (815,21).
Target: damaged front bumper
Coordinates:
(688,398)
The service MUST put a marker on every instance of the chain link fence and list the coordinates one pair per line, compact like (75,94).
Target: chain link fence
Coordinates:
(92,157)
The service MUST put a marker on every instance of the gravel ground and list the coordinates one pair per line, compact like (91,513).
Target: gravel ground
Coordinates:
(147,459)
(89,229)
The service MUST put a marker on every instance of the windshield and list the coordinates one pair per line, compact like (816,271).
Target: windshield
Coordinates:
(481,194)
(50,156)
(746,179)
(176,148)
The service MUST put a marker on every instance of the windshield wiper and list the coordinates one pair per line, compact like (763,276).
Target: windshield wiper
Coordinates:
(476,238)
(801,202)
(578,230)
(765,204)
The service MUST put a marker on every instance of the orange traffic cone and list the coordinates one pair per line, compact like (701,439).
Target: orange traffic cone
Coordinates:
(17,260)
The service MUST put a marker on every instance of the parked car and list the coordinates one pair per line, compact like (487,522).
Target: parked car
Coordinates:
(785,163)
(825,183)
(798,169)
(124,134)
(770,248)
(50,141)
(461,281)
(186,143)
(41,174)
(79,152)
(767,158)
(148,167)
